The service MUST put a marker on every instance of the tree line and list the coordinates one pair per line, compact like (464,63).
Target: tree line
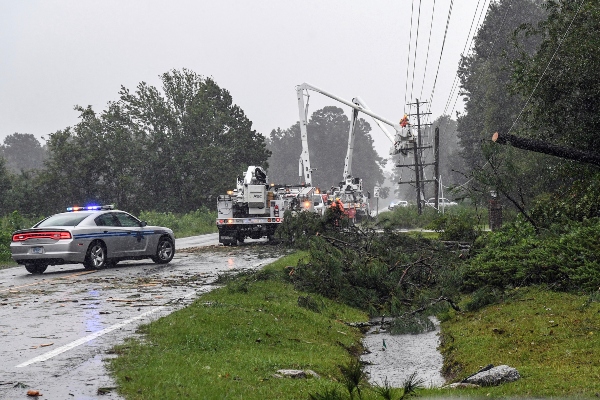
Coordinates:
(171,150)
(532,72)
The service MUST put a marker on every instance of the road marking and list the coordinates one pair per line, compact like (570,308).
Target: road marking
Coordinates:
(86,339)
(47,280)
(90,337)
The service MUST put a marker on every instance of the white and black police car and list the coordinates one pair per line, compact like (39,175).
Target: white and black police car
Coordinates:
(97,236)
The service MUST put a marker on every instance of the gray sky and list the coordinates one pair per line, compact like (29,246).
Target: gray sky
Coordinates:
(55,54)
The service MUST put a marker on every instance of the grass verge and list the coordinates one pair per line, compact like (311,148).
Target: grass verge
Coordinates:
(551,338)
(193,223)
(231,342)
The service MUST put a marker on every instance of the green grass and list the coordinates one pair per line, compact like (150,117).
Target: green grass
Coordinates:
(231,341)
(193,223)
(551,338)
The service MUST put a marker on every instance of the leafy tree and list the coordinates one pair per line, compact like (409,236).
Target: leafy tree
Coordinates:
(328,142)
(174,150)
(195,138)
(22,152)
(285,147)
(485,77)
(5,184)
(563,77)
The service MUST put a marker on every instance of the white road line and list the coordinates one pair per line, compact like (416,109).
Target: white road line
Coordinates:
(94,335)
(86,339)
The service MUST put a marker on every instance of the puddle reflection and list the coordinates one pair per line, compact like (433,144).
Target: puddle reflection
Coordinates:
(91,314)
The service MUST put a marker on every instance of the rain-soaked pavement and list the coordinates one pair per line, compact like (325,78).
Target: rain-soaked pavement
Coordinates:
(56,329)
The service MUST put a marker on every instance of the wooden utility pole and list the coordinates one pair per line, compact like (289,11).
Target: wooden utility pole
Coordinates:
(418,165)
(417,177)
(436,168)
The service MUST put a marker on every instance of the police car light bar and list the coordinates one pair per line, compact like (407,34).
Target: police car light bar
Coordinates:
(88,208)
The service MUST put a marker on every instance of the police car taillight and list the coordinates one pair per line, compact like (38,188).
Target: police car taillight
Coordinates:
(54,235)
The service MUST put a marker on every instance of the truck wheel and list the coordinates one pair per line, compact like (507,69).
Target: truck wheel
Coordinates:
(36,269)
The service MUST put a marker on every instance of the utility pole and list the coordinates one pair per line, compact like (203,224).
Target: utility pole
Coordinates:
(436,167)
(418,165)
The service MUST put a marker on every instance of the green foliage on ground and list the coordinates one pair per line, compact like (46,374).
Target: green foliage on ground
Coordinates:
(9,224)
(231,342)
(550,337)
(192,223)
(385,273)
(455,223)
(458,223)
(567,258)
(406,218)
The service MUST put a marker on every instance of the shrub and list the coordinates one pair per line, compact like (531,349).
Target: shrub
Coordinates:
(193,223)
(9,224)
(566,257)
(381,273)
(462,225)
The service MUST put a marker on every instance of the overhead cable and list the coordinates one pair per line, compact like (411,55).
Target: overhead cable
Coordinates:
(409,47)
(416,47)
(547,65)
(427,54)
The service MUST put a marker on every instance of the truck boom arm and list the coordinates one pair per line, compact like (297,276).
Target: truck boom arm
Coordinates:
(399,140)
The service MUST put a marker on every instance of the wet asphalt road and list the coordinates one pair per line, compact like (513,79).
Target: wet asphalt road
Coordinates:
(56,328)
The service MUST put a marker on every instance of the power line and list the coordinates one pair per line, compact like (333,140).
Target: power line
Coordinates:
(455,82)
(416,47)
(499,29)
(441,53)
(547,65)
(427,54)
(409,47)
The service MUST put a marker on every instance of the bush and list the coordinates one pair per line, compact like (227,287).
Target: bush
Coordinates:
(193,223)
(565,257)
(461,225)
(9,224)
(576,202)
(406,218)
(381,273)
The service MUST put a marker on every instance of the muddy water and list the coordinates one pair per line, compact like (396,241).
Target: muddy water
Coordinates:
(396,357)
(56,329)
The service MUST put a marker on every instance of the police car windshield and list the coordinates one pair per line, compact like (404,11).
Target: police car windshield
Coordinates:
(68,219)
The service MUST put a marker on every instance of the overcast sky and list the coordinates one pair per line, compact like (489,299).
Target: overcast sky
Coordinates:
(55,54)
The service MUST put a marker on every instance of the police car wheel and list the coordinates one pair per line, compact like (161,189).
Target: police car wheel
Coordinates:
(36,269)
(96,256)
(164,251)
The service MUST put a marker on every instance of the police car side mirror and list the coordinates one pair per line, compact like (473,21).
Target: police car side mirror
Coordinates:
(144,223)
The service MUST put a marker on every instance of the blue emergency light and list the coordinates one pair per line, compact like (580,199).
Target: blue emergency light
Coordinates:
(90,208)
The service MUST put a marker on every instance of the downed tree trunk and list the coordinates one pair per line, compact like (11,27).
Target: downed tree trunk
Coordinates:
(547,148)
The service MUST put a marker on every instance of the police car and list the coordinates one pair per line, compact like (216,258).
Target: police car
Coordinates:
(97,236)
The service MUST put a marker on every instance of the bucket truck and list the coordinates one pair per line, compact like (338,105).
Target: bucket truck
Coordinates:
(251,210)
(350,190)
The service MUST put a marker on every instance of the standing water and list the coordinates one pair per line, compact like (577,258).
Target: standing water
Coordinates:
(397,357)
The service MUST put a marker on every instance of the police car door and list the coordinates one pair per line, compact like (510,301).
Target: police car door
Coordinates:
(110,233)
(134,240)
